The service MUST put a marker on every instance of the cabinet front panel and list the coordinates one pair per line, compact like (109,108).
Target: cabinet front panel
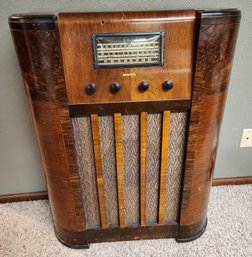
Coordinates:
(81,53)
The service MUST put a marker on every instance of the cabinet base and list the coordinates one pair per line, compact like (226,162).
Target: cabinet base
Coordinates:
(194,237)
(78,240)
(82,239)
(84,245)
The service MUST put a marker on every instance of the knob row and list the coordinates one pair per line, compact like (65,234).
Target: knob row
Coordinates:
(116,87)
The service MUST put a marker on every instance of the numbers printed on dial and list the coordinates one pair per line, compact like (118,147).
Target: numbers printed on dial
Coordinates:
(128,50)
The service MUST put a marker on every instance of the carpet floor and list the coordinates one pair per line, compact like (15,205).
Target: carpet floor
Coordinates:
(26,229)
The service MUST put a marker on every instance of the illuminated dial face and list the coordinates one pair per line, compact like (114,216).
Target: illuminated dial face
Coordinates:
(128,49)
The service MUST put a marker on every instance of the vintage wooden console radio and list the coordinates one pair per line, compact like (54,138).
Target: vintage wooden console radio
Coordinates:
(127,109)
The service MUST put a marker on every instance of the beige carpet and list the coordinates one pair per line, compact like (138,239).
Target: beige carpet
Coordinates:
(26,229)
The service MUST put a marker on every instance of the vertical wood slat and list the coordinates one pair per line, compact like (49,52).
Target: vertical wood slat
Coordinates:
(119,167)
(143,153)
(98,168)
(164,161)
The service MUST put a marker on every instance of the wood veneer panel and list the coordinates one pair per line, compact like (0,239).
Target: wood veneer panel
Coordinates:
(98,169)
(215,49)
(164,162)
(119,167)
(76,30)
(143,154)
(39,57)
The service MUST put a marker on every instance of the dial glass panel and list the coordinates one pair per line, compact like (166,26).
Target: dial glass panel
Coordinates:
(128,49)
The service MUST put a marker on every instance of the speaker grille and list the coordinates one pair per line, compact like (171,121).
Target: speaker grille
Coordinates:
(131,171)
(175,165)
(107,139)
(130,140)
(85,159)
(153,166)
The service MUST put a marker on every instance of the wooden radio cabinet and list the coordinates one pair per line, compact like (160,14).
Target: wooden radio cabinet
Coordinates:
(127,109)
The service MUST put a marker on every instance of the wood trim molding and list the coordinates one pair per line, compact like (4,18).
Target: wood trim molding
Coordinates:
(24,197)
(129,107)
(98,169)
(163,168)
(143,159)
(32,196)
(232,181)
(119,167)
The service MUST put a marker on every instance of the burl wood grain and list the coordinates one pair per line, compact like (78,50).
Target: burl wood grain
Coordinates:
(217,37)
(119,166)
(76,31)
(39,57)
(143,154)
(164,163)
(98,169)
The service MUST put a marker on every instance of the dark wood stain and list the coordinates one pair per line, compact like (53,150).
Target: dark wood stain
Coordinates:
(78,60)
(215,50)
(118,234)
(130,107)
(40,61)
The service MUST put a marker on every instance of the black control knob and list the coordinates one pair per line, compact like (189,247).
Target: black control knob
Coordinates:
(168,85)
(90,88)
(143,86)
(115,87)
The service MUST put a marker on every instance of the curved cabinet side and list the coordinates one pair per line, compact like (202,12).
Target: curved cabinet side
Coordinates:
(39,57)
(217,33)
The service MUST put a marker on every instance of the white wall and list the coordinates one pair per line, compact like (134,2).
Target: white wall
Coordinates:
(20,166)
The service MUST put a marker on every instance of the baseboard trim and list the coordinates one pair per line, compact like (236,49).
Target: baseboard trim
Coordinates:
(232,181)
(44,196)
(24,197)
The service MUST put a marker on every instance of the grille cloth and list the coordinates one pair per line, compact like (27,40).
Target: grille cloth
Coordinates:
(85,159)
(130,140)
(175,165)
(153,166)
(107,141)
